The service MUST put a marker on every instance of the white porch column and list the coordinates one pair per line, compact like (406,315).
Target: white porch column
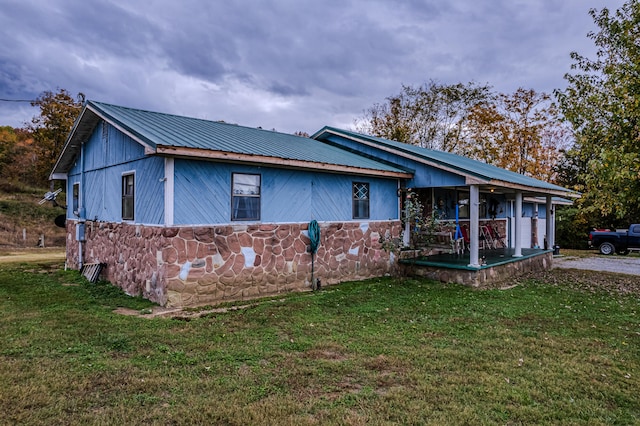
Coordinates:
(474,227)
(518,225)
(550,231)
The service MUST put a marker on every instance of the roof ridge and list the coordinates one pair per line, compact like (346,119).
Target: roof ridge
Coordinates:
(186,117)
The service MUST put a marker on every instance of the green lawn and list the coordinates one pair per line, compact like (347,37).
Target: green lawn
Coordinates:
(548,351)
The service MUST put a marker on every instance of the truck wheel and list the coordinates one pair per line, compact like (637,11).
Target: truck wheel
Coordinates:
(607,248)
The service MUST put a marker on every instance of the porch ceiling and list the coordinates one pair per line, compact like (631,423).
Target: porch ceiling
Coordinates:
(529,194)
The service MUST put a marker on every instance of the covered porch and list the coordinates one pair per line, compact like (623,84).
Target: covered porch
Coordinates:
(476,225)
(478,207)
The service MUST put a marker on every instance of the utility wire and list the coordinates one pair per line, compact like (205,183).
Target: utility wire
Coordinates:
(16,100)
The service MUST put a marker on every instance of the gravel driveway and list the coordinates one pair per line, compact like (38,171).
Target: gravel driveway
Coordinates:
(620,264)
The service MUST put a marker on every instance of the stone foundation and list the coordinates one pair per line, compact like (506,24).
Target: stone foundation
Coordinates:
(189,266)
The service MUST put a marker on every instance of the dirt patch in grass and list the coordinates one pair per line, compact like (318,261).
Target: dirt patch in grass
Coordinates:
(178,313)
(32,255)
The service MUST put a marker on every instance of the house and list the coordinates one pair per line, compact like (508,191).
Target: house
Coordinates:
(186,211)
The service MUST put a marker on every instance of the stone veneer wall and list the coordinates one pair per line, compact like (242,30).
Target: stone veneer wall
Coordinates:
(188,266)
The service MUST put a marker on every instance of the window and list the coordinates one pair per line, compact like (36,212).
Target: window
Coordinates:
(360,200)
(245,197)
(75,199)
(128,196)
(463,204)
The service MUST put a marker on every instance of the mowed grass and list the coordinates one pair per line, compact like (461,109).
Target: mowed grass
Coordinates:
(385,351)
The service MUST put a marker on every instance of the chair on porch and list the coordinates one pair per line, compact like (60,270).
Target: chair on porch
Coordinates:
(465,236)
(498,240)
(486,238)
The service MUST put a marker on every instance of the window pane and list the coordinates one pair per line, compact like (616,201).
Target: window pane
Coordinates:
(246,184)
(463,205)
(360,200)
(245,197)
(128,199)
(76,197)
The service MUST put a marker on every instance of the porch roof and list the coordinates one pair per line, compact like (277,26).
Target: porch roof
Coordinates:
(474,171)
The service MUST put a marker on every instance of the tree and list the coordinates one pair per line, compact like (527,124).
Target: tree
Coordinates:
(602,103)
(431,116)
(521,132)
(8,139)
(50,129)
(17,160)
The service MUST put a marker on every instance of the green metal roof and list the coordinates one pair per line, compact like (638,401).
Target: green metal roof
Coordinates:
(464,165)
(155,130)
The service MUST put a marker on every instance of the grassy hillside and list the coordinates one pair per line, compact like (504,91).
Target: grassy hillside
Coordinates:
(21,215)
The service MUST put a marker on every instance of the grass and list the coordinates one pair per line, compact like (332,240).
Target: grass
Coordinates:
(382,351)
(19,210)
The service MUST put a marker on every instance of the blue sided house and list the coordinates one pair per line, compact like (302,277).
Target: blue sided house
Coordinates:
(186,211)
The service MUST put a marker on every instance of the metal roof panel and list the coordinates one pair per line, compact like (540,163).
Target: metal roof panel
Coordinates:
(464,165)
(154,129)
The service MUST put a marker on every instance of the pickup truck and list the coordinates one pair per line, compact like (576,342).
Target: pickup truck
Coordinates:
(621,242)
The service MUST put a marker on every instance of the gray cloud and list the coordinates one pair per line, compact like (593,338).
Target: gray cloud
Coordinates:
(284,64)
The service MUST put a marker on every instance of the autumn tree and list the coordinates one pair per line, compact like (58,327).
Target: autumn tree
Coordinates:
(17,159)
(50,129)
(8,140)
(432,116)
(602,103)
(522,132)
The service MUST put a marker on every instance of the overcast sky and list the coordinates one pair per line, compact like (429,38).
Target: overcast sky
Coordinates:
(284,64)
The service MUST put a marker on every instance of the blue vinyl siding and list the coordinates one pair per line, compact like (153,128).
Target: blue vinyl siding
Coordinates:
(203,194)
(105,160)
(424,176)
(202,189)
(117,148)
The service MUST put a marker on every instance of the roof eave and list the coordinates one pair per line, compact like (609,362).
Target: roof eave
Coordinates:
(83,126)
(470,178)
(393,150)
(559,192)
(82,129)
(234,157)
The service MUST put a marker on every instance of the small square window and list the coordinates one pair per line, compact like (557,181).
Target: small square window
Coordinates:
(360,200)
(245,197)
(128,196)
(75,199)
